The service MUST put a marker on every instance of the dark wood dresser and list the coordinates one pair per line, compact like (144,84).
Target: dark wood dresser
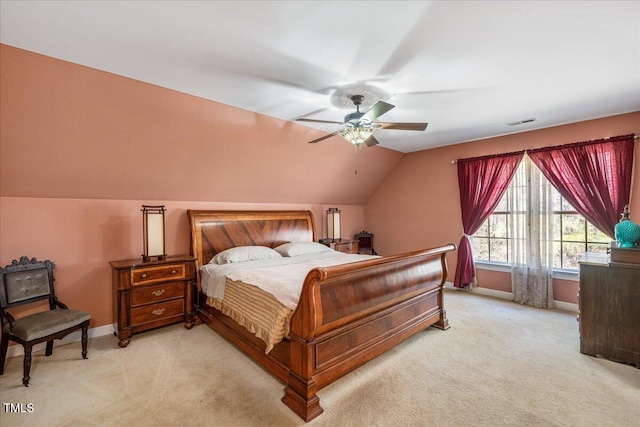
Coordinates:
(151,294)
(609,306)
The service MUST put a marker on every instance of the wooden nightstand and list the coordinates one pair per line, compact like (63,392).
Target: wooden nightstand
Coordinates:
(346,246)
(151,294)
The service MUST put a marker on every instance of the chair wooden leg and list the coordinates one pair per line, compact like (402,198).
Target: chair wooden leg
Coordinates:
(27,365)
(85,338)
(3,352)
(49,350)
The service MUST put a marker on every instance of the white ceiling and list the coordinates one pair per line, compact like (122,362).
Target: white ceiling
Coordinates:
(477,65)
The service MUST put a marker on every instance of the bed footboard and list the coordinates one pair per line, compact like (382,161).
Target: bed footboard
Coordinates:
(349,314)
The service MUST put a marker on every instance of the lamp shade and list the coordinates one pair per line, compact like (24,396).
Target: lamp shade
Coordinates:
(333,224)
(153,232)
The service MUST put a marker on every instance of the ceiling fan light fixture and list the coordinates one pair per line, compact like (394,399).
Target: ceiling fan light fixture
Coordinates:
(357,134)
(359,127)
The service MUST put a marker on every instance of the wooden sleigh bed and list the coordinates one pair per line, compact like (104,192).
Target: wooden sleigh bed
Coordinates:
(347,314)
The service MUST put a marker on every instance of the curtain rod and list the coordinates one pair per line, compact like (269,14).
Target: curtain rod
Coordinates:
(635,139)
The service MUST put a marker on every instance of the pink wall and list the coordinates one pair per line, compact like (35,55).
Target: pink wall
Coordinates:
(563,290)
(418,204)
(82,235)
(74,132)
(82,150)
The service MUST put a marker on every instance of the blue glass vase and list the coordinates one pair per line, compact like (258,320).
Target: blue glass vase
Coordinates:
(627,232)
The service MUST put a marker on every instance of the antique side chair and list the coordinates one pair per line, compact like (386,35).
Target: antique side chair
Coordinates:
(365,243)
(24,282)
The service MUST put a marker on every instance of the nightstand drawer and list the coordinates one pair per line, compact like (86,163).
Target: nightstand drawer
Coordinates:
(155,293)
(158,311)
(347,246)
(148,275)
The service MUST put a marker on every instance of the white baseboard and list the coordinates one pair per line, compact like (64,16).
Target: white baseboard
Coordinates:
(18,350)
(567,306)
(560,305)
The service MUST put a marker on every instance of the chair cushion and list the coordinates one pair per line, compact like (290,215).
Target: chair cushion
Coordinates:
(40,325)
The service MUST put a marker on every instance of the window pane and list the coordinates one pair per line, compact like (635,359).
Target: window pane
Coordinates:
(503,204)
(480,248)
(566,206)
(571,254)
(519,227)
(498,226)
(498,250)
(573,228)
(600,248)
(556,228)
(520,196)
(557,255)
(483,231)
(557,200)
(595,235)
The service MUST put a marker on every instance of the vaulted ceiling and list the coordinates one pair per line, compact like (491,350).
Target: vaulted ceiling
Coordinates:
(472,70)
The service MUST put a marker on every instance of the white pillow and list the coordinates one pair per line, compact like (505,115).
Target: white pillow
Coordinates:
(301,248)
(244,253)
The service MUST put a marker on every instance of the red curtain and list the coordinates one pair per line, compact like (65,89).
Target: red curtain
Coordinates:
(594,177)
(482,182)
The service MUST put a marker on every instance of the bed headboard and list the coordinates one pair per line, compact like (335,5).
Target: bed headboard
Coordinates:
(215,231)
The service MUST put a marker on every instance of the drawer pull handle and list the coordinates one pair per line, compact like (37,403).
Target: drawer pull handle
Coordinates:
(158,292)
(158,311)
(144,275)
(173,272)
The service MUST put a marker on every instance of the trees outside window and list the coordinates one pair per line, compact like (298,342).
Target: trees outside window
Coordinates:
(573,235)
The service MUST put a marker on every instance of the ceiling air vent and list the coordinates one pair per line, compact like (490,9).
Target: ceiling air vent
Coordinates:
(521,122)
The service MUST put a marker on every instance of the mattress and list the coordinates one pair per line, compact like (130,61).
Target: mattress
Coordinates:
(262,295)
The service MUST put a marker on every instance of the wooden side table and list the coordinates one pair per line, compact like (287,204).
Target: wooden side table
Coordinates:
(147,295)
(346,246)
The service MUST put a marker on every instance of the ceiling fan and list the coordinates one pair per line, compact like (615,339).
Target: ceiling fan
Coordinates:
(359,127)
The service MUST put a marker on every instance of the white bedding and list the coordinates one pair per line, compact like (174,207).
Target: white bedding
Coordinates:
(281,277)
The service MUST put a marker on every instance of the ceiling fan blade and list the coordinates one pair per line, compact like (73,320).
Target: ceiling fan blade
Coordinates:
(318,121)
(371,141)
(403,126)
(325,137)
(377,110)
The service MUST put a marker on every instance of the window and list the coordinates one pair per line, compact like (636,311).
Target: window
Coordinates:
(572,234)
(491,241)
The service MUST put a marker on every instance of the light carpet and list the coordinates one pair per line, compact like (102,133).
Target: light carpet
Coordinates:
(500,364)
